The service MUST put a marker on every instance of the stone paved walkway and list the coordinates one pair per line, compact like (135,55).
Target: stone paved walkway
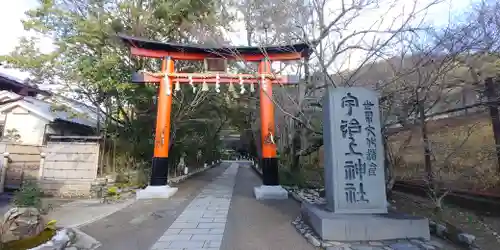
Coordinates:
(215,210)
(201,225)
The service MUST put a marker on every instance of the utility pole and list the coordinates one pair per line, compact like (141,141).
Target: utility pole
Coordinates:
(266,27)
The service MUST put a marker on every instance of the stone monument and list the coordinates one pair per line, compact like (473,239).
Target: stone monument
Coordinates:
(182,165)
(199,155)
(356,208)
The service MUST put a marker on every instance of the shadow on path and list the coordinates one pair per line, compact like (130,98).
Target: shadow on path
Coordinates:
(260,225)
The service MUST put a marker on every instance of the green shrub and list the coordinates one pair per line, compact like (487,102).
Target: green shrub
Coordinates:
(121,178)
(29,195)
(141,179)
(288,178)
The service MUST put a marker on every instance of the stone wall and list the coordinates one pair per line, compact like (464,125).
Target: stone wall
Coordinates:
(62,168)
(23,163)
(69,168)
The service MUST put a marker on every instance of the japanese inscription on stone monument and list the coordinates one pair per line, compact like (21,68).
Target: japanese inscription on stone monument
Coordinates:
(354,131)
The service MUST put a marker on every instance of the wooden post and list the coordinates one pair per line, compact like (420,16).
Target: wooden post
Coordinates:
(269,161)
(492,98)
(3,171)
(159,171)
(42,165)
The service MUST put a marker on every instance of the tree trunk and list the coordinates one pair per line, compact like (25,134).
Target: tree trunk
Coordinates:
(390,178)
(427,149)
(299,139)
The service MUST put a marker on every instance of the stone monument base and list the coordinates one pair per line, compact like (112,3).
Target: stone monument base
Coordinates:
(363,227)
(270,193)
(156,192)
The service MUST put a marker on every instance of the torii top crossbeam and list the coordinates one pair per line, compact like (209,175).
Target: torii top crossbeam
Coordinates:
(155,49)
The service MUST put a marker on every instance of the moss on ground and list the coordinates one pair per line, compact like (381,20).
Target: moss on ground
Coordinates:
(31,242)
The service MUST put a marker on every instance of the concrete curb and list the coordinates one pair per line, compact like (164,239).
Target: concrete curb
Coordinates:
(100,216)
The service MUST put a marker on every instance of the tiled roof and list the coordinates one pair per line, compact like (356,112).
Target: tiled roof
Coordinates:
(14,81)
(65,110)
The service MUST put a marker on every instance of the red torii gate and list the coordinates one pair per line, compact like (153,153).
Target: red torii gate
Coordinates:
(169,52)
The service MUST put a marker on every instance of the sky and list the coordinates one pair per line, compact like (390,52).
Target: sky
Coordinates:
(11,15)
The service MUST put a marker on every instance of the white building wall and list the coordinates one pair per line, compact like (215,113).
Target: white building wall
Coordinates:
(28,125)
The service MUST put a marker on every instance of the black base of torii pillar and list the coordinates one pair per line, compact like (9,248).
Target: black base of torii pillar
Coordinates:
(270,176)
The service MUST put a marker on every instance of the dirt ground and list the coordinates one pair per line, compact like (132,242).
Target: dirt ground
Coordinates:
(48,204)
(484,228)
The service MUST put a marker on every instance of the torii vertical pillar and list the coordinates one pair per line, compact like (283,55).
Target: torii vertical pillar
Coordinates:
(158,183)
(269,162)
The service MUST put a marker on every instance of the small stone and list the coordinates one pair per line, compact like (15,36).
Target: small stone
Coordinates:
(339,245)
(45,247)
(61,239)
(441,230)
(322,193)
(376,243)
(364,247)
(427,246)
(336,243)
(404,246)
(326,244)
(436,244)
(467,238)
(313,240)
(339,248)
(297,196)
(417,242)
(71,235)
